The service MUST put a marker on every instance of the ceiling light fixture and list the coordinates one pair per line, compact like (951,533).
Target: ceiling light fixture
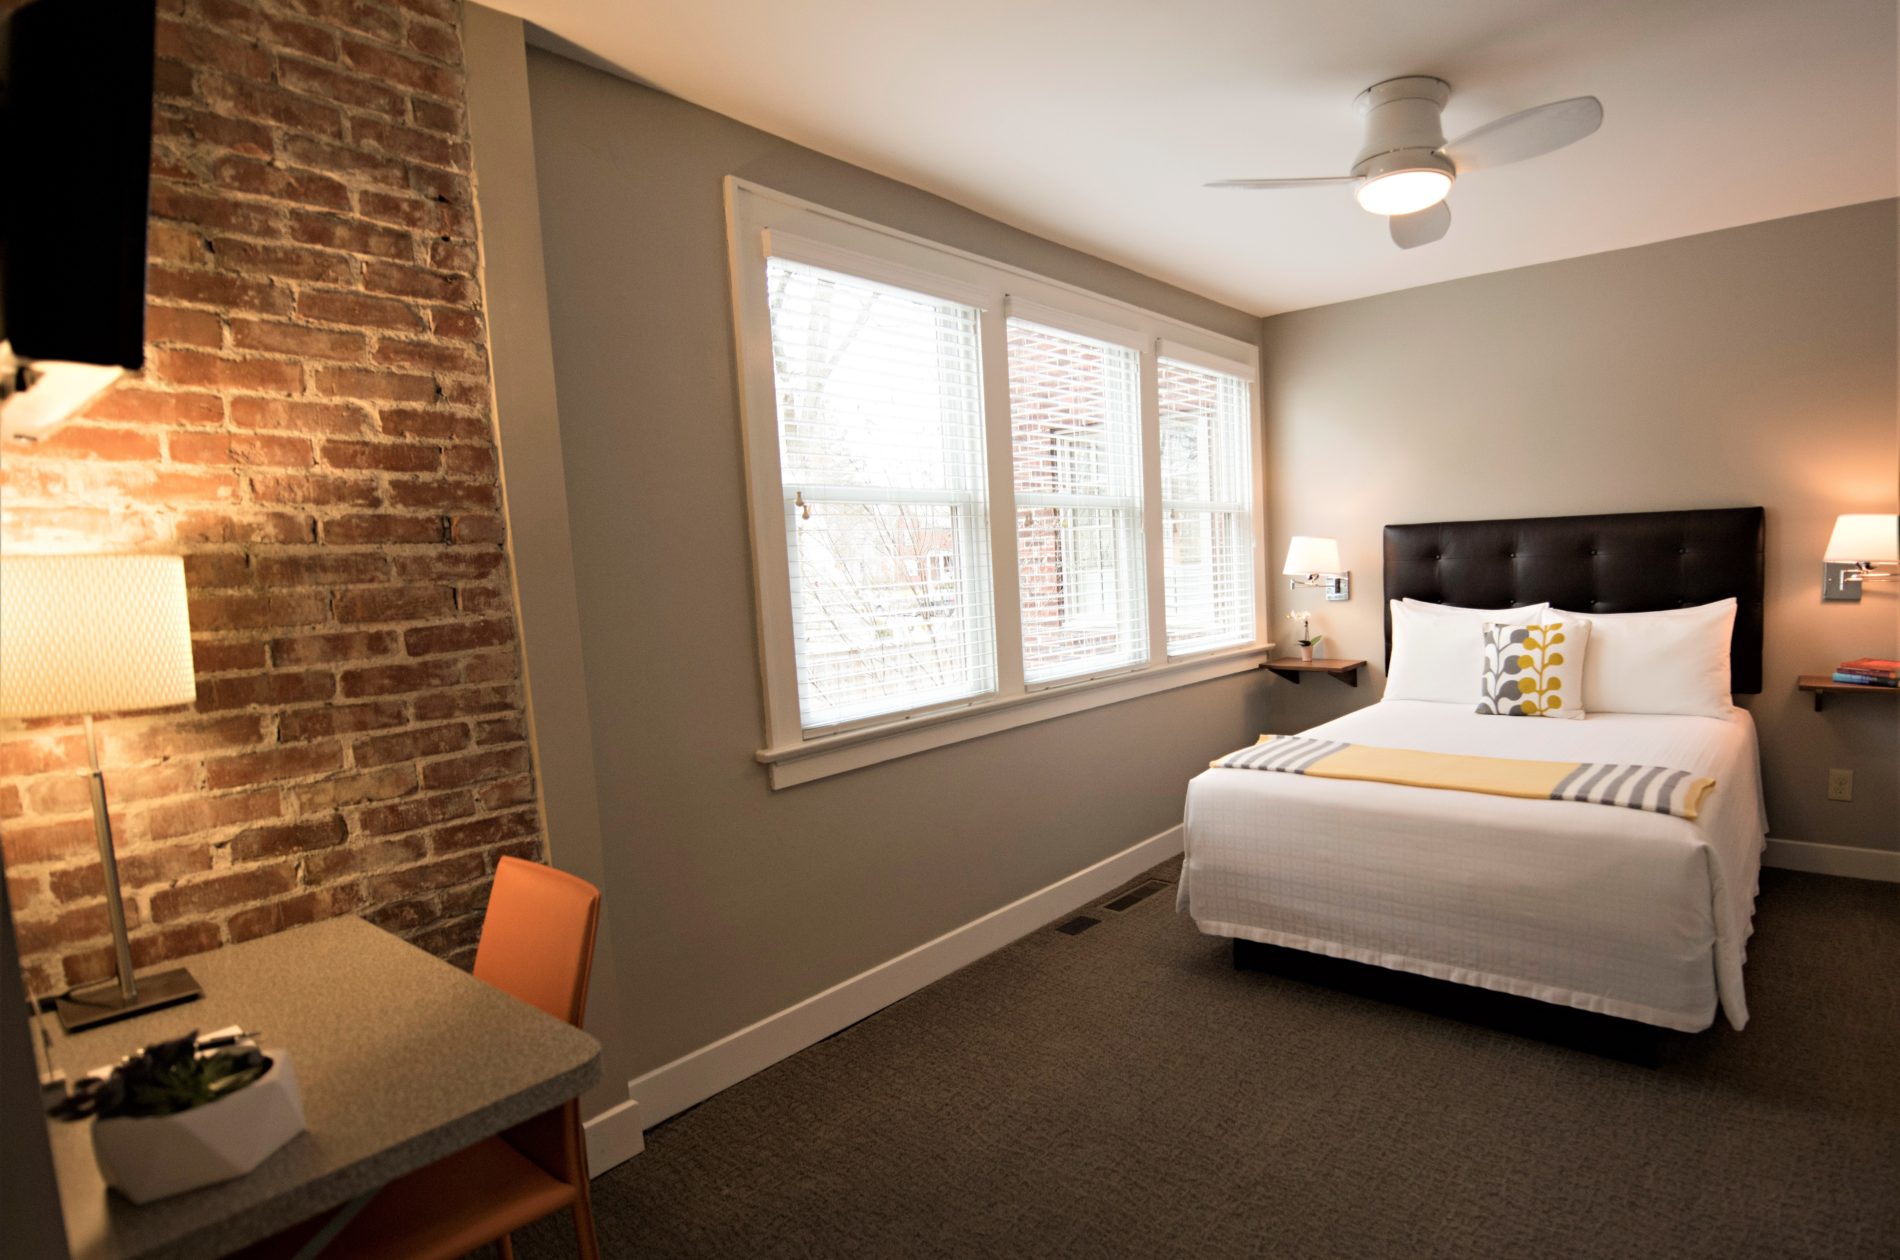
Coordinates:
(1404,192)
(1405,168)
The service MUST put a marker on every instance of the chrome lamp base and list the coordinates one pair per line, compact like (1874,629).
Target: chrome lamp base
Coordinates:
(125,995)
(102,1003)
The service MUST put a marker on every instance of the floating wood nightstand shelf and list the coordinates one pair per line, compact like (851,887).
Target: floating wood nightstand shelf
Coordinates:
(1820,684)
(1291,667)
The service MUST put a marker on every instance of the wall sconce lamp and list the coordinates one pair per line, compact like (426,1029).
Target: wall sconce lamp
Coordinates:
(99,634)
(1315,562)
(38,397)
(1863,548)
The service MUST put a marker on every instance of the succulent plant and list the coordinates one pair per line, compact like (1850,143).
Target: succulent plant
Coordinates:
(164,1079)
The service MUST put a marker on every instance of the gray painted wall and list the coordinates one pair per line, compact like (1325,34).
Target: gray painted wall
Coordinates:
(534,487)
(1749,366)
(730,901)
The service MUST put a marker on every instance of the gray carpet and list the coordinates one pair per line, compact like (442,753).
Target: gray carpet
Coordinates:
(1126,1092)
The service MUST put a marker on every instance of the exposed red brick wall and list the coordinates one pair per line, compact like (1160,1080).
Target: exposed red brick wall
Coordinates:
(312,432)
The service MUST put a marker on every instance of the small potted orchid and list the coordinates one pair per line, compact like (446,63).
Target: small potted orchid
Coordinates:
(186,1113)
(1308,640)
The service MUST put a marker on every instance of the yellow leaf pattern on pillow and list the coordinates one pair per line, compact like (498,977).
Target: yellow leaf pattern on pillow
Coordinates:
(1519,670)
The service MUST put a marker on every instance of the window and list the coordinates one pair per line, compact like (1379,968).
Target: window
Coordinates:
(1075,440)
(881,454)
(1206,501)
(978,497)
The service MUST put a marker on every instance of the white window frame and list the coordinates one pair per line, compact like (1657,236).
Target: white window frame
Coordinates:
(762,222)
(1251,512)
(963,500)
(1029,310)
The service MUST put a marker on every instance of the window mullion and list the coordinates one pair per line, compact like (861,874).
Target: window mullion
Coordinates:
(1006,585)
(1151,511)
(1256,520)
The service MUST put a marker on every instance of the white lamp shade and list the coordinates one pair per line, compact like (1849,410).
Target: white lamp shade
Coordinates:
(1873,538)
(1311,555)
(93,634)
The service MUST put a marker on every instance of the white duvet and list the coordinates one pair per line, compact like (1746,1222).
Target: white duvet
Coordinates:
(1638,915)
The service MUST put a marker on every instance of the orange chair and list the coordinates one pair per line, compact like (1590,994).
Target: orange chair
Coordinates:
(538,945)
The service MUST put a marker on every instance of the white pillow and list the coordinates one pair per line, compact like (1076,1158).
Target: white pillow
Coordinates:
(1503,616)
(1672,661)
(1535,670)
(1438,649)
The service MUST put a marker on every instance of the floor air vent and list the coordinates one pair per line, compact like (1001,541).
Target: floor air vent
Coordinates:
(1133,896)
(1076,926)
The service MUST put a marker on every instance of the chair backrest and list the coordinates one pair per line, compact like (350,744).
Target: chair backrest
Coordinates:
(538,937)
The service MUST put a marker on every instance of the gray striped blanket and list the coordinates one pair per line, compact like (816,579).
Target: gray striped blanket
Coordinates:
(1655,788)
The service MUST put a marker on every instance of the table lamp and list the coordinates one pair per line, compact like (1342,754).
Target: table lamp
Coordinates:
(81,635)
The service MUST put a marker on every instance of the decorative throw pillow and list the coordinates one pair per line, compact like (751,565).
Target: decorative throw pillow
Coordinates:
(1535,670)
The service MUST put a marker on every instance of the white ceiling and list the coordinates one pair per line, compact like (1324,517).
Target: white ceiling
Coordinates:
(1094,122)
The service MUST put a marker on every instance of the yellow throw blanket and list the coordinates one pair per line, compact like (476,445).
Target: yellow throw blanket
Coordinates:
(1655,788)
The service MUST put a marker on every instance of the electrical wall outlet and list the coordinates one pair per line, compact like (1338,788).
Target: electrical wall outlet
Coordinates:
(1840,785)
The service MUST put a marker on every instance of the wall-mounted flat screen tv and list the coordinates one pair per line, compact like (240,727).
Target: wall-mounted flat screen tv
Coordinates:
(76,129)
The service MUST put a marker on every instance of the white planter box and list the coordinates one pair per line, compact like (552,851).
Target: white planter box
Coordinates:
(150,1157)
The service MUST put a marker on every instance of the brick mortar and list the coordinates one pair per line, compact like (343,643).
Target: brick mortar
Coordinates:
(314,307)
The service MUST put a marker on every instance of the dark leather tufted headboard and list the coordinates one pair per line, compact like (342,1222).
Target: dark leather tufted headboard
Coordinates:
(1629,562)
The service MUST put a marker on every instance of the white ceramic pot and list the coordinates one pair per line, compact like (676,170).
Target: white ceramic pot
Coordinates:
(1306,654)
(150,1157)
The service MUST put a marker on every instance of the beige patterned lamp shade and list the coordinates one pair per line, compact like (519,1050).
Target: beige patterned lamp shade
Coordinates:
(93,634)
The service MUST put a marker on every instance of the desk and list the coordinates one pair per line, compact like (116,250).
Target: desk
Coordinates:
(401,1059)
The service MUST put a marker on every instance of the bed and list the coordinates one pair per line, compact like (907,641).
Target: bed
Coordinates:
(1636,915)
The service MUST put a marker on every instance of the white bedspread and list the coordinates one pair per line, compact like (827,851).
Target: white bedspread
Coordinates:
(1634,914)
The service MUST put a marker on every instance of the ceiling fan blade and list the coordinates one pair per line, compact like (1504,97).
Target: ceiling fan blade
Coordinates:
(1412,230)
(1314,182)
(1526,134)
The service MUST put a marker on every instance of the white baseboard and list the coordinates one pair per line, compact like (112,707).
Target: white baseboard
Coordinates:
(614,1137)
(693,1078)
(1833,859)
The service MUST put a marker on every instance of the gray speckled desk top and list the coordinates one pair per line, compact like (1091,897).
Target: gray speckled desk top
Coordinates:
(400,1057)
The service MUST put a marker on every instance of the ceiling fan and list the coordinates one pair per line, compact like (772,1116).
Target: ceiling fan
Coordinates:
(1405,168)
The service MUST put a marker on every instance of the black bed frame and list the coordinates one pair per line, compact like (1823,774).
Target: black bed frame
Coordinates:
(1626,562)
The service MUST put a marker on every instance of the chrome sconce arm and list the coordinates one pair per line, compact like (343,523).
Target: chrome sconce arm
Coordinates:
(1336,585)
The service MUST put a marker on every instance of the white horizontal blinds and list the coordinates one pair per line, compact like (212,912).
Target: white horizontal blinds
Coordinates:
(1075,428)
(881,455)
(1207,506)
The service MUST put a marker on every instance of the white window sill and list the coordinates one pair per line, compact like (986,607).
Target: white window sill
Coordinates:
(827,755)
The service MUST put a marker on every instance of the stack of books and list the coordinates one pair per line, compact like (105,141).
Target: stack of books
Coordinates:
(1869,672)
